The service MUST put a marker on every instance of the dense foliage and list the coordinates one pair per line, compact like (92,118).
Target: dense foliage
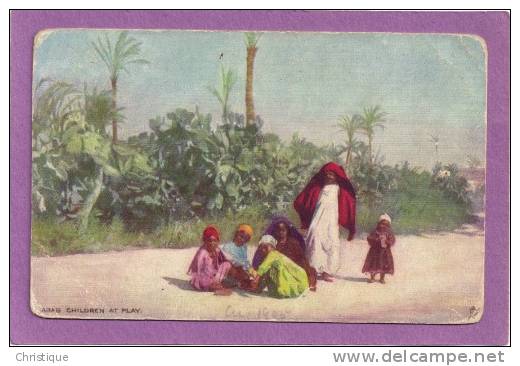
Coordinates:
(160,187)
(189,167)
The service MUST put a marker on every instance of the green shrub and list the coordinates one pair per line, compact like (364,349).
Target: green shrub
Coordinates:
(161,188)
(415,205)
(50,238)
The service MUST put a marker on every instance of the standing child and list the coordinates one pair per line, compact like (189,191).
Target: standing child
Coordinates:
(379,258)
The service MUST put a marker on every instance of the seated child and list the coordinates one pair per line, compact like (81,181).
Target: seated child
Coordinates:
(281,276)
(379,258)
(292,245)
(209,267)
(236,252)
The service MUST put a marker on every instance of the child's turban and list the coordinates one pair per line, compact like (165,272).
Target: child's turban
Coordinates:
(385,217)
(246,229)
(268,239)
(210,231)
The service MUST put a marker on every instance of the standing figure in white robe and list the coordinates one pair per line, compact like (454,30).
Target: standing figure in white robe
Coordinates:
(326,203)
(323,245)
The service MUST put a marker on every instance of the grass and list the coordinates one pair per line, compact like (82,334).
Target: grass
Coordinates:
(52,239)
(416,207)
(418,210)
(414,216)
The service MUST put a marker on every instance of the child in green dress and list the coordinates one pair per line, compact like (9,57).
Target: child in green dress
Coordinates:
(282,277)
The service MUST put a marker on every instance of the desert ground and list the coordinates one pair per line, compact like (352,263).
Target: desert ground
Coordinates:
(438,279)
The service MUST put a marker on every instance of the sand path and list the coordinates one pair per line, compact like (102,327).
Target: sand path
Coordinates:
(438,279)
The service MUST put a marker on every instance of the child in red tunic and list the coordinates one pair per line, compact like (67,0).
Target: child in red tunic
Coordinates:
(379,258)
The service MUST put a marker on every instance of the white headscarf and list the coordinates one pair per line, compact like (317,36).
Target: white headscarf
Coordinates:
(385,217)
(268,239)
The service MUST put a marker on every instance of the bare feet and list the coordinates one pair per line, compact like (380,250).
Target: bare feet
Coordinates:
(326,277)
(220,289)
(382,280)
(254,285)
(370,280)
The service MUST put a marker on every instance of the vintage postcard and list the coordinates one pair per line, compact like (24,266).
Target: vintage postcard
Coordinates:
(258,176)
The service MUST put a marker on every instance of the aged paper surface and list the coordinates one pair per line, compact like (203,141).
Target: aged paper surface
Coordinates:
(370,146)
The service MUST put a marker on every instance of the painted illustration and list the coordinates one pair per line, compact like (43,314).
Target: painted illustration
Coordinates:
(258,176)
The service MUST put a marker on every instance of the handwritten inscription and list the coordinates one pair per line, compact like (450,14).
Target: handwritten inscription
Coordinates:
(257,313)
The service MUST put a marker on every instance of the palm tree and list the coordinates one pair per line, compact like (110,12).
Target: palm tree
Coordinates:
(227,80)
(251,42)
(350,125)
(117,58)
(372,118)
(99,111)
(435,140)
(54,103)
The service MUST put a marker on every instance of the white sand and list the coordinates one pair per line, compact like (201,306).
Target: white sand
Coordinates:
(439,279)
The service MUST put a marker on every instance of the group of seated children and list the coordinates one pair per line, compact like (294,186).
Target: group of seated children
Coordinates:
(279,263)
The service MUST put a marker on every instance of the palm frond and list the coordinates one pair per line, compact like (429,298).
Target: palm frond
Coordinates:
(251,39)
(110,54)
(55,103)
(102,52)
(132,49)
(216,94)
(120,43)
(372,118)
(139,61)
(116,57)
(40,83)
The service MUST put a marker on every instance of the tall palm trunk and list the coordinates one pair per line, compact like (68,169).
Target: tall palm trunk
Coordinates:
(114,108)
(225,113)
(369,176)
(250,108)
(370,162)
(349,153)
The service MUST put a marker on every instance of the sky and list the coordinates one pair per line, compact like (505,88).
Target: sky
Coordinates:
(303,82)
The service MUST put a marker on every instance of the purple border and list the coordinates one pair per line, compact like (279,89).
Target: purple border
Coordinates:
(493,329)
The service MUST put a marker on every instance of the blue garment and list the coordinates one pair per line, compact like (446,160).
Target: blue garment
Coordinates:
(236,255)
